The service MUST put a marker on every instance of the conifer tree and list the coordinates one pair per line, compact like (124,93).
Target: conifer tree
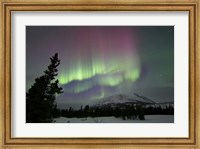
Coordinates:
(40,99)
(140,112)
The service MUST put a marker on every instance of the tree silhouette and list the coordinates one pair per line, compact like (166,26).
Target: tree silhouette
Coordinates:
(140,112)
(40,99)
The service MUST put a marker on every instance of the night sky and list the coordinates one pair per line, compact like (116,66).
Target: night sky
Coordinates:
(100,61)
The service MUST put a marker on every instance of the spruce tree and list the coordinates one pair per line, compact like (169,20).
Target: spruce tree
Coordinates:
(140,112)
(40,99)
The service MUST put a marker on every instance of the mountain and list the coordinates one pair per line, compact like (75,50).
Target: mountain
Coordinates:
(122,99)
(143,99)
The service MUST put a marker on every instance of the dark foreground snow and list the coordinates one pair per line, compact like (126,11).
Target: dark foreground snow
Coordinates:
(148,119)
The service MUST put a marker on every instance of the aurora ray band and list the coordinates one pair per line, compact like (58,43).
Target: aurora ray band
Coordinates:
(97,62)
(100,60)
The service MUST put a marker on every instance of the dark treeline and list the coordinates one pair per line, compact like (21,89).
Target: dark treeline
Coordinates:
(124,112)
(165,110)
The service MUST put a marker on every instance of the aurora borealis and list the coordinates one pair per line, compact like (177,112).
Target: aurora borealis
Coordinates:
(99,61)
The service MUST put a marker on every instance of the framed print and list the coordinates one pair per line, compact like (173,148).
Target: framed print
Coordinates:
(100,74)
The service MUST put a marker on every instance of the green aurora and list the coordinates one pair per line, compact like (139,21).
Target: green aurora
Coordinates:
(100,61)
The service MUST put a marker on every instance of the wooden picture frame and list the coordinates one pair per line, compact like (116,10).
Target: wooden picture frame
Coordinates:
(8,6)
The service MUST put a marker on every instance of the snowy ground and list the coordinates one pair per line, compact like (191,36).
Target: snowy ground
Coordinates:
(148,119)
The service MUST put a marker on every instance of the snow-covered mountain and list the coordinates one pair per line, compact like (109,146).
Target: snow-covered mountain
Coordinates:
(142,98)
(125,99)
